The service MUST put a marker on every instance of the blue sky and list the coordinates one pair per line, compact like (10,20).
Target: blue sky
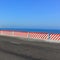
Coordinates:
(30,13)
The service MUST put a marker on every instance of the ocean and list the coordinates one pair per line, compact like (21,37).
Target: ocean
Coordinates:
(33,30)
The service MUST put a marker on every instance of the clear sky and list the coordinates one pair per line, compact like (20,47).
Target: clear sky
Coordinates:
(30,13)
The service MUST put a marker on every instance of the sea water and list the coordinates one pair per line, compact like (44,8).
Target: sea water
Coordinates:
(33,30)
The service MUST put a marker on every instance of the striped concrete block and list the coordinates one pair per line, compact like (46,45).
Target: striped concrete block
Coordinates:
(8,33)
(38,35)
(21,34)
(54,36)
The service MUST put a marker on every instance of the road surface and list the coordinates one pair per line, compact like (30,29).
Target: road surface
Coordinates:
(7,56)
(22,49)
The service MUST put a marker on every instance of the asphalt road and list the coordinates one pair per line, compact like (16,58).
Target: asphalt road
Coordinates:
(21,49)
(7,56)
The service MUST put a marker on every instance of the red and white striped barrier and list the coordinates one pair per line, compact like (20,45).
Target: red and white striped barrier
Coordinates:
(21,34)
(34,35)
(8,33)
(37,35)
(54,36)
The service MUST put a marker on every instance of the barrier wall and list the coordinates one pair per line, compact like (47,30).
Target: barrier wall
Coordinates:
(54,36)
(21,34)
(8,33)
(34,35)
